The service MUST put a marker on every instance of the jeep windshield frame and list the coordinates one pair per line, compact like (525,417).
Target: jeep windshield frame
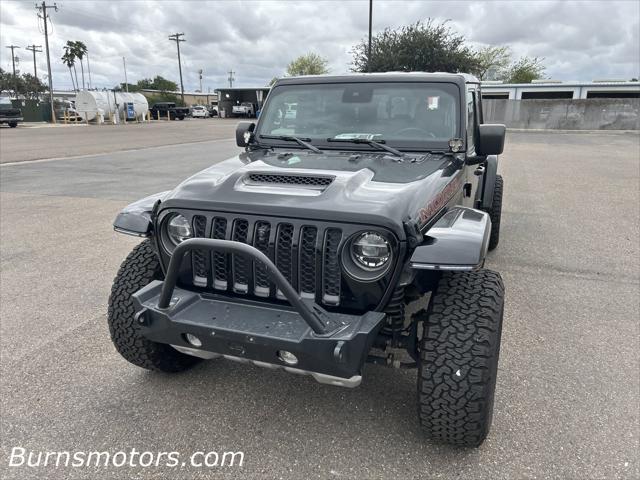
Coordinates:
(410,115)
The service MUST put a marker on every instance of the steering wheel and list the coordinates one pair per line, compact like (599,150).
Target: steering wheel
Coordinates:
(414,129)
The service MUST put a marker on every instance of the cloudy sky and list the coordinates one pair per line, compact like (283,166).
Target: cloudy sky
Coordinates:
(581,40)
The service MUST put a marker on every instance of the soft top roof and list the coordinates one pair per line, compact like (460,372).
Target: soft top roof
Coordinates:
(459,78)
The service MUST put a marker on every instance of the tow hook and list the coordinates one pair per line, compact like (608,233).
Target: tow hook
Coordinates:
(339,352)
(141,317)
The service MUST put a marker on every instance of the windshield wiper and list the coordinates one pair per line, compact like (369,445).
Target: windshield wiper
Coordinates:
(288,138)
(379,144)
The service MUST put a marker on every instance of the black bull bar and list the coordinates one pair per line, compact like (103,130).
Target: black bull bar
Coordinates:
(324,344)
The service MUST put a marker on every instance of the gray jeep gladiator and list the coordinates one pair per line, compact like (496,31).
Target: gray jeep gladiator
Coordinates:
(351,231)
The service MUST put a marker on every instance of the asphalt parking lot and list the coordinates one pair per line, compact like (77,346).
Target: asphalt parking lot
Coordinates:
(567,399)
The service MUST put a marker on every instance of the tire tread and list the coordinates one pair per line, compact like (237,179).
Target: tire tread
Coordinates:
(462,329)
(139,268)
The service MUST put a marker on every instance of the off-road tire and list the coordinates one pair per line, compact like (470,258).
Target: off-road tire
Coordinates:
(458,360)
(137,271)
(495,212)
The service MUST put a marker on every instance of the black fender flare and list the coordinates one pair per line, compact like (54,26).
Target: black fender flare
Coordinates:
(457,241)
(490,173)
(135,219)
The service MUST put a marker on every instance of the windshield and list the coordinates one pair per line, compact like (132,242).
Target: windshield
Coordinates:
(420,115)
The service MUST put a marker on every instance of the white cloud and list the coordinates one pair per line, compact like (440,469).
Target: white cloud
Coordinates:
(579,40)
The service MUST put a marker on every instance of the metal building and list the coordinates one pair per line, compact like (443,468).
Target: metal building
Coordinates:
(549,89)
(228,97)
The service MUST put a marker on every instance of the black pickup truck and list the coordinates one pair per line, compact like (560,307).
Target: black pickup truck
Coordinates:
(9,114)
(159,111)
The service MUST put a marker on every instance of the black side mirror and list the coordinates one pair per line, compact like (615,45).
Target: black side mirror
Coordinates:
(244,133)
(491,139)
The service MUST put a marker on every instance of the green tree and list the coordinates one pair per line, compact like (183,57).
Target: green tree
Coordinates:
(7,82)
(426,47)
(26,84)
(491,60)
(31,86)
(309,64)
(164,85)
(70,49)
(158,83)
(122,87)
(79,50)
(524,70)
(164,97)
(146,83)
(69,60)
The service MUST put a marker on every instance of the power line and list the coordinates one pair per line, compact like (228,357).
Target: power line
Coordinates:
(176,37)
(35,49)
(42,9)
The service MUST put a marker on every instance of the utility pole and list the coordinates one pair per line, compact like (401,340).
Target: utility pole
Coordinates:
(370,22)
(231,78)
(176,37)
(35,49)
(13,60)
(42,9)
(200,75)
(126,82)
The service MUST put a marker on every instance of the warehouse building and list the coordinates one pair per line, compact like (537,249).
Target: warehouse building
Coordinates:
(549,90)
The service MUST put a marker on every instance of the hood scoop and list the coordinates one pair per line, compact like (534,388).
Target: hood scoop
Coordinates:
(315,182)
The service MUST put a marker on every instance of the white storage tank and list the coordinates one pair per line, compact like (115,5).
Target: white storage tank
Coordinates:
(92,103)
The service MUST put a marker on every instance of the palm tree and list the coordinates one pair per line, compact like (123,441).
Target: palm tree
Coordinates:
(69,60)
(79,51)
(70,49)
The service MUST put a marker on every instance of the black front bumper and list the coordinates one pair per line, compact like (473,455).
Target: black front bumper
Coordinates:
(332,347)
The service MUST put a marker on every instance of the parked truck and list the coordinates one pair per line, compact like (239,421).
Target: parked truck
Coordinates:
(162,110)
(353,232)
(245,109)
(8,113)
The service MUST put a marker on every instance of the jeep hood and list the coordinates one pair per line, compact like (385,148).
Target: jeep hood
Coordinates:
(370,188)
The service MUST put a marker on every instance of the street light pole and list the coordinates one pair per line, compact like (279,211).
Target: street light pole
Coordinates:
(89,68)
(370,21)
(126,82)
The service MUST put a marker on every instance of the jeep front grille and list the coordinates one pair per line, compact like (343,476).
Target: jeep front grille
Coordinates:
(199,257)
(307,255)
(219,260)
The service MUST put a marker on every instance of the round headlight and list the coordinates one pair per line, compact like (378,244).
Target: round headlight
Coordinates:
(370,251)
(178,229)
